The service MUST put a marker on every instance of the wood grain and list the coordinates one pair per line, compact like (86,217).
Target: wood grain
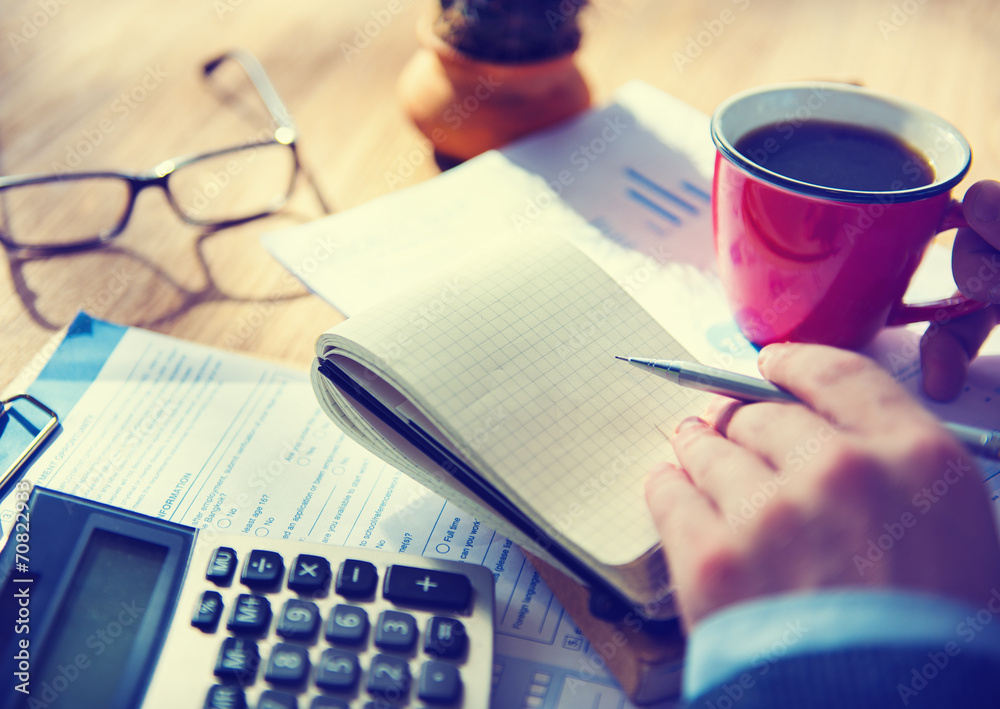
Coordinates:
(116,84)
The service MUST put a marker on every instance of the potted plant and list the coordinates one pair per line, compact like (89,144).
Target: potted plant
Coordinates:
(490,71)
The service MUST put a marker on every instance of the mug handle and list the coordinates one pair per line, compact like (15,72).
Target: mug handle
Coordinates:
(947,308)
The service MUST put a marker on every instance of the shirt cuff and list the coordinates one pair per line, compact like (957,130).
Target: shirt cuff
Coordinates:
(747,637)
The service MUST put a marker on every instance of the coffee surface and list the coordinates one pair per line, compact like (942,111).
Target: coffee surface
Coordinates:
(837,155)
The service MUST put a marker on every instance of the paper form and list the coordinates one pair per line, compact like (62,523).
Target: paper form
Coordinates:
(227,443)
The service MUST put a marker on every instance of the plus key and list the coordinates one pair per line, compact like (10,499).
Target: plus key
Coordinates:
(407,585)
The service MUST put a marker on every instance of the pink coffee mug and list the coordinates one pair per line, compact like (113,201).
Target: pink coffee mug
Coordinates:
(808,262)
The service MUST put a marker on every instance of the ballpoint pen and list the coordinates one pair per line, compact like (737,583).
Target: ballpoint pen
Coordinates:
(981,441)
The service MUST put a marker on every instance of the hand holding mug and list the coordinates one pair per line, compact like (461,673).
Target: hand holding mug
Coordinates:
(945,351)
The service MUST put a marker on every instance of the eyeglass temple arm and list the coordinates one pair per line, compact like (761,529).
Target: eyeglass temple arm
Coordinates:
(268,94)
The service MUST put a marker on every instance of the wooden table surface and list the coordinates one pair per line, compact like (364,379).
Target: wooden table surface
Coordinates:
(115,84)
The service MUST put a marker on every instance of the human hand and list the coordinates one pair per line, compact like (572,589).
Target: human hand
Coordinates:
(947,349)
(860,486)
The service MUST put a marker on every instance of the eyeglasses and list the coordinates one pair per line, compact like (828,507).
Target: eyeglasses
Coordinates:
(51,213)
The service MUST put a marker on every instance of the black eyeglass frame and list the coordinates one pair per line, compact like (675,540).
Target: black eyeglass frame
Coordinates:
(285,134)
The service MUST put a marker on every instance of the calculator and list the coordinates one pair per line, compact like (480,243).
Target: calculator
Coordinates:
(107,608)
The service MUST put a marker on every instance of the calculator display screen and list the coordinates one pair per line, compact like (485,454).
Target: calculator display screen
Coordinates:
(95,630)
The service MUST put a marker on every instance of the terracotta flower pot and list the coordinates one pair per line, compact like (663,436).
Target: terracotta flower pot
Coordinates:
(466,106)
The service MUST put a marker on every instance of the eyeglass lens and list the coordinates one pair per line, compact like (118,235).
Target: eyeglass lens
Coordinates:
(228,186)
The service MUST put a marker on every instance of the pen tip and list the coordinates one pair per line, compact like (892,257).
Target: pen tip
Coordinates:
(623,359)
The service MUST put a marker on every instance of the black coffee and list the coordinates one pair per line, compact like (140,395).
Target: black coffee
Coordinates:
(837,155)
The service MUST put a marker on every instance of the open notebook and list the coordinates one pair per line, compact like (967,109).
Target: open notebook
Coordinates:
(495,384)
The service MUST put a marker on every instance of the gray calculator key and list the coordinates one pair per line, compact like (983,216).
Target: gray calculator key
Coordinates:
(288,664)
(250,614)
(396,631)
(221,566)
(299,620)
(238,660)
(408,585)
(225,696)
(207,611)
(270,699)
(389,676)
(322,702)
(309,574)
(356,579)
(439,683)
(262,569)
(338,670)
(347,625)
(445,637)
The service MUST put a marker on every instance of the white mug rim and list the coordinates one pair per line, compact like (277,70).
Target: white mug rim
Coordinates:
(942,183)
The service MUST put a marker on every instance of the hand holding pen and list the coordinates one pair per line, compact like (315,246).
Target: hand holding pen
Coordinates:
(771,497)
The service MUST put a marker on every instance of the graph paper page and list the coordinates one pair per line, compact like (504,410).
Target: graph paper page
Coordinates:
(512,356)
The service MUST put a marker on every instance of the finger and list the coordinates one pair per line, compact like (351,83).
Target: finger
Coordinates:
(946,351)
(722,470)
(782,434)
(975,264)
(981,209)
(675,503)
(681,513)
(847,388)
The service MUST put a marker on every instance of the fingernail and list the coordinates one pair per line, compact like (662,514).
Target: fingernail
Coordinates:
(689,422)
(986,207)
(766,353)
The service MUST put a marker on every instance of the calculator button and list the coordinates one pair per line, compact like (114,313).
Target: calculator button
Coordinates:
(396,631)
(309,574)
(328,703)
(288,664)
(299,620)
(250,614)
(225,696)
(445,637)
(262,569)
(356,579)
(426,587)
(439,683)
(347,624)
(389,677)
(238,660)
(270,699)
(208,611)
(221,566)
(338,670)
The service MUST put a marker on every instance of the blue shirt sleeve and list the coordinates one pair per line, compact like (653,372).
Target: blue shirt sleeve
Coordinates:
(741,643)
